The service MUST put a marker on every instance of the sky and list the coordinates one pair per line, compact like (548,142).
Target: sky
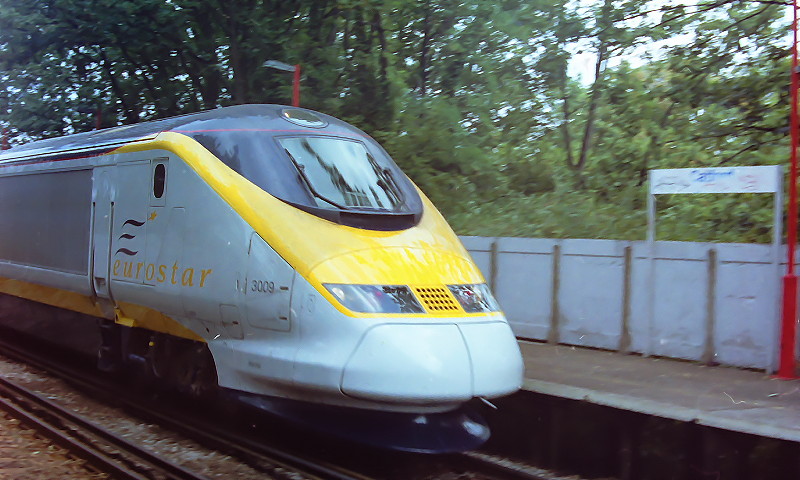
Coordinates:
(582,63)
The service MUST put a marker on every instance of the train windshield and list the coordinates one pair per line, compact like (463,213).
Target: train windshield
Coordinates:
(342,173)
(342,179)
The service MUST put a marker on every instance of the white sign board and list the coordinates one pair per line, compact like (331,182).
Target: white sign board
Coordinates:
(762,179)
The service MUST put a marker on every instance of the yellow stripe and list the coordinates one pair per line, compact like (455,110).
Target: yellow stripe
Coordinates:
(50,296)
(126,314)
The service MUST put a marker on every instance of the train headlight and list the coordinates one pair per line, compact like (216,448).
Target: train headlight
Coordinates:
(475,298)
(376,298)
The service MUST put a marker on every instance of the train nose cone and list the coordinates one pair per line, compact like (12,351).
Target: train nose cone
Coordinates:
(422,364)
(410,363)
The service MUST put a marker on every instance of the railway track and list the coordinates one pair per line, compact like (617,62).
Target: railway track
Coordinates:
(269,457)
(98,447)
(272,461)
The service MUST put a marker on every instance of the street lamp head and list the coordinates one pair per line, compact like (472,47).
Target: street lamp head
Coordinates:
(279,65)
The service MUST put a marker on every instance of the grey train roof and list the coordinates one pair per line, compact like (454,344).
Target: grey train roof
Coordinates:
(238,117)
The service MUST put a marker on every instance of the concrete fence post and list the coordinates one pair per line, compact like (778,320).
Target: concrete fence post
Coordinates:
(711,300)
(493,261)
(625,336)
(555,311)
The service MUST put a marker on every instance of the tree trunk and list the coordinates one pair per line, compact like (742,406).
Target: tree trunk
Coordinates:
(424,61)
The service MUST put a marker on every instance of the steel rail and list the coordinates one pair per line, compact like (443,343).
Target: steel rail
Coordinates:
(85,439)
(507,469)
(255,454)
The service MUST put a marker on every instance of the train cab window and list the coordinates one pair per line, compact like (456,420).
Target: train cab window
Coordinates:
(333,172)
(343,174)
(159,180)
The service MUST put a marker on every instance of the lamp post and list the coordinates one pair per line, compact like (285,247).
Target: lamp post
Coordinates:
(786,367)
(295,69)
(95,112)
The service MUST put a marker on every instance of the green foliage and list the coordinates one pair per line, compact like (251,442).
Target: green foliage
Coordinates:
(551,215)
(477,101)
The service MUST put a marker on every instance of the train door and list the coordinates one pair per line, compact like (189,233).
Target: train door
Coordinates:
(157,218)
(103,208)
(129,224)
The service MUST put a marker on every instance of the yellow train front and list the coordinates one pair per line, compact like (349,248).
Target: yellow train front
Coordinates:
(275,252)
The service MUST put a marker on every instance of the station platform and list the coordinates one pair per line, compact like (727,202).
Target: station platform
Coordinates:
(728,398)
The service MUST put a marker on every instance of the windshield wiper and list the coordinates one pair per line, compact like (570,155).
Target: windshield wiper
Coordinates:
(397,190)
(302,170)
(391,186)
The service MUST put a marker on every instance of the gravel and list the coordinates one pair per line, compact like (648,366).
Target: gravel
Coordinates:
(25,456)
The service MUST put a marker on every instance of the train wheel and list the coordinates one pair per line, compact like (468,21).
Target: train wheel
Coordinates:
(194,371)
(183,365)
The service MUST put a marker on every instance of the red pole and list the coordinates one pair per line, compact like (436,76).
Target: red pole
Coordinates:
(5,145)
(296,87)
(786,368)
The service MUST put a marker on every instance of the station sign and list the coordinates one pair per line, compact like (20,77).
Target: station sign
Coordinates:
(758,179)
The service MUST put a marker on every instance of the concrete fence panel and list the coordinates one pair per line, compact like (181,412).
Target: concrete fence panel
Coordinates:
(524,284)
(681,300)
(745,328)
(590,293)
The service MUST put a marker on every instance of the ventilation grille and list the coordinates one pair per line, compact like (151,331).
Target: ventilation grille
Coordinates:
(436,299)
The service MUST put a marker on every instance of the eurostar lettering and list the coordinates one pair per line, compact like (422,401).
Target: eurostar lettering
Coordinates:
(175,274)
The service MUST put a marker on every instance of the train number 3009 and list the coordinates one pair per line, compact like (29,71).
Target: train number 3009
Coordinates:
(262,286)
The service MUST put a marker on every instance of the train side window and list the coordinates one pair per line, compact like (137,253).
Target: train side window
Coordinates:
(159,180)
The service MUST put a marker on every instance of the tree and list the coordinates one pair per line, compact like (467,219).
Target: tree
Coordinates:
(476,100)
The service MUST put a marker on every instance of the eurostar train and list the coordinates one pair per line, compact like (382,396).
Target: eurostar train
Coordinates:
(272,253)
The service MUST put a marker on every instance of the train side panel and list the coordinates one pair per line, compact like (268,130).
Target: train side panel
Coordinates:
(45,220)
(45,225)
